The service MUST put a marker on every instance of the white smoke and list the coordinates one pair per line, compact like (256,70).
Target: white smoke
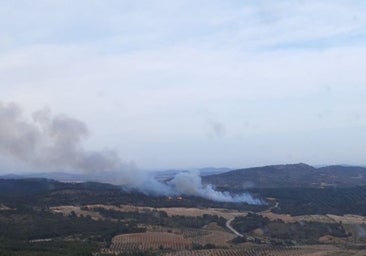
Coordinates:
(190,183)
(183,183)
(55,142)
(361,231)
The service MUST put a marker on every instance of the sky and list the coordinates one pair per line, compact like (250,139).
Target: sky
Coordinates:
(189,84)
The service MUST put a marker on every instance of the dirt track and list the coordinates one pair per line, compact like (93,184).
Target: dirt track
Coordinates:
(228,225)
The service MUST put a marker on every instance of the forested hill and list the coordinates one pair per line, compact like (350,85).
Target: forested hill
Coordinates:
(39,185)
(290,175)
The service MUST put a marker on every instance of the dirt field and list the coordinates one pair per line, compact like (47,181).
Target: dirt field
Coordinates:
(219,238)
(194,212)
(329,218)
(68,209)
(182,240)
(274,216)
(121,208)
(150,240)
(272,251)
(174,239)
(228,214)
(348,219)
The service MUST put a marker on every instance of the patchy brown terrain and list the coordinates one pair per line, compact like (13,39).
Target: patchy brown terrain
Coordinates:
(181,241)
(328,218)
(193,212)
(69,209)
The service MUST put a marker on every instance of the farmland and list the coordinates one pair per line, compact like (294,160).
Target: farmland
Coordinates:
(86,219)
(270,251)
(215,240)
(150,240)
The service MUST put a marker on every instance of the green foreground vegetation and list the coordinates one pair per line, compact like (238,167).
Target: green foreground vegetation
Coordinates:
(28,227)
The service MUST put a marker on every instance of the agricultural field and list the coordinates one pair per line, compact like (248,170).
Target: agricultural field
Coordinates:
(254,251)
(181,230)
(246,250)
(150,240)
(175,240)
(172,211)
(69,209)
(84,221)
(226,213)
(310,251)
(89,210)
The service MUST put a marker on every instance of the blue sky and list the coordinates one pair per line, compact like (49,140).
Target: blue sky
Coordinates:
(185,84)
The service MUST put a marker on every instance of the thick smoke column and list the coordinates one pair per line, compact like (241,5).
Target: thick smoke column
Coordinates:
(50,142)
(183,183)
(190,183)
(55,142)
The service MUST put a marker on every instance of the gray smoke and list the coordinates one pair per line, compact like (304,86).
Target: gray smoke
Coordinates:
(55,142)
(50,142)
(186,183)
(190,183)
(361,231)
(216,129)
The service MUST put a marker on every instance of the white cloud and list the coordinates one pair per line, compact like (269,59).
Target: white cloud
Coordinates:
(147,76)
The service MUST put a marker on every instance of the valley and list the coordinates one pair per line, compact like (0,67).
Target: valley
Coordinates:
(38,215)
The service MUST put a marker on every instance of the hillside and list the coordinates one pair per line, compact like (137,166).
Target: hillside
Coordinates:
(291,175)
(41,216)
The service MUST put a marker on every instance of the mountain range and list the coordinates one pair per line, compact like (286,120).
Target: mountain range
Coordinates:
(289,175)
(271,176)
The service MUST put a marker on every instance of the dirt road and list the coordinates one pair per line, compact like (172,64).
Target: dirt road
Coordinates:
(228,225)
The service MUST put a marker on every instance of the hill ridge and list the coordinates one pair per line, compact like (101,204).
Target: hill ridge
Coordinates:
(289,175)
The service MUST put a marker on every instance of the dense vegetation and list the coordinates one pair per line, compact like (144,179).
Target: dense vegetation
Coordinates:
(27,227)
(51,248)
(302,201)
(161,218)
(45,193)
(304,232)
(26,219)
(31,230)
(289,176)
(33,224)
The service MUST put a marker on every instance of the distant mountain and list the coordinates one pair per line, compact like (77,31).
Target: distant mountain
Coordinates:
(31,186)
(11,176)
(166,175)
(169,174)
(272,176)
(213,170)
(290,175)
(106,177)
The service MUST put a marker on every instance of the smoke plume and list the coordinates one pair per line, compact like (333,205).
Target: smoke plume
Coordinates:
(50,142)
(55,142)
(190,183)
(216,129)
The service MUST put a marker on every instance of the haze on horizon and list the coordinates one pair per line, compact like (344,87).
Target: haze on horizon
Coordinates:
(185,84)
